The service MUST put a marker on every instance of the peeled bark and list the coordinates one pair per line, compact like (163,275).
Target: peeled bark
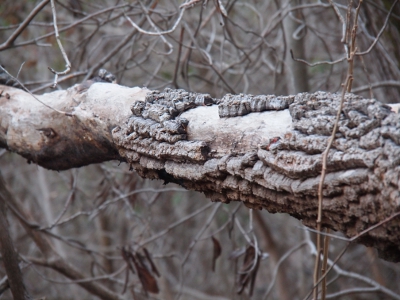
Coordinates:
(264,150)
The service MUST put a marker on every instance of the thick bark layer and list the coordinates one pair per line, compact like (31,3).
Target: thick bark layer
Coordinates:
(264,151)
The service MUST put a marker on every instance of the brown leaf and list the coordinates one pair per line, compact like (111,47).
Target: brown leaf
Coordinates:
(126,256)
(126,281)
(153,266)
(148,281)
(248,271)
(216,251)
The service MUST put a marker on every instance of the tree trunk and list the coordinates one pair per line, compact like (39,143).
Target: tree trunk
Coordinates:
(262,150)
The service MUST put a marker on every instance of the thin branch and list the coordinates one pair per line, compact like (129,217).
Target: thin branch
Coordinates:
(194,242)
(324,264)
(9,256)
(113,51)
(332,264)
(353,47)
(96,211)
(52,257)
(339,15)
(381,84)
(23,25)
(178,59)
(157,33)
(67,203)
(354,238)
(380,32)
(44,263)
(173,225)
(71,25)
(171,48)
(318,62)
(320,187)
(49,85)
(37,99)
(281,260)
(67,62)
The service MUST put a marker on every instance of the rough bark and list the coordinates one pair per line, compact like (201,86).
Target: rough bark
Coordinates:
(262,150)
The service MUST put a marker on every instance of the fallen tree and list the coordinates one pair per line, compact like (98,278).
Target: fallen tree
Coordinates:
(262,150)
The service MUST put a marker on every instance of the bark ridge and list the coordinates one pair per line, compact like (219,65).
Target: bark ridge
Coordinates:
(282,173)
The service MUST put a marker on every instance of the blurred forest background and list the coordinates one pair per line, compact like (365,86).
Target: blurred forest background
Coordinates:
(97,216)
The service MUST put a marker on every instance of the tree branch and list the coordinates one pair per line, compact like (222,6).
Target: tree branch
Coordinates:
(50,257)
(265,151)
(8,254)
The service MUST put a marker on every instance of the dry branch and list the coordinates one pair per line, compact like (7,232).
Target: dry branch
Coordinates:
(264,150)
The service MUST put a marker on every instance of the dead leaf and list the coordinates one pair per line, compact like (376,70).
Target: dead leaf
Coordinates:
(153,266)
(248,271)
(148,281)
(143,266)
(216,251)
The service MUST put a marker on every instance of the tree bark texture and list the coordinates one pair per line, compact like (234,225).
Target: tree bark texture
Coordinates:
(262,150)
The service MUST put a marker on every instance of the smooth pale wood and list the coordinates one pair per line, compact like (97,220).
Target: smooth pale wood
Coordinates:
(58,141)
(237,134)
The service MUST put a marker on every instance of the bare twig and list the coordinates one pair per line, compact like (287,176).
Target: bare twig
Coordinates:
(320,187)
(350,43)
(8,254)
(67,204)
(178,59)
(52,257)
(350,241)
(324,265)
(70,25)
(36,98)
(339,15)
(281,260)
(45,263)
(341,272)
(158,33)
(318,62)
(171,48)
(380,32)
(194,242)
(67,63)
(173,225)
(93,213)
(353,47)
(10,41)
